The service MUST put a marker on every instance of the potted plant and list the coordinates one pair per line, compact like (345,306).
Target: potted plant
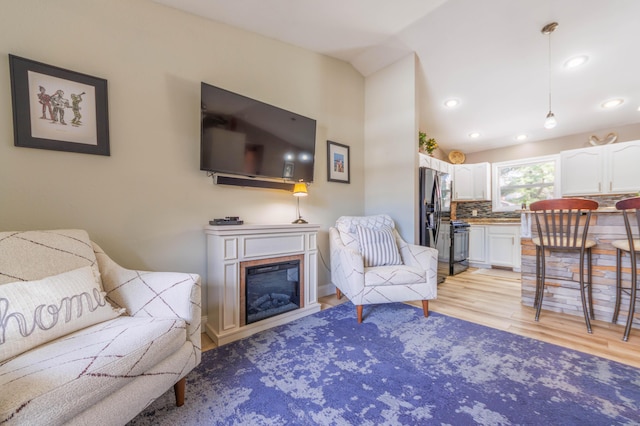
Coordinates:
(428,145)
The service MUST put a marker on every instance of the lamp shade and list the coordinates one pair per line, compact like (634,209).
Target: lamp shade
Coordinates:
(550,122)
(300,189)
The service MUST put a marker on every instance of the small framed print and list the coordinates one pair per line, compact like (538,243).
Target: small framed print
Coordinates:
(58,109)
(287,171)
(338,169)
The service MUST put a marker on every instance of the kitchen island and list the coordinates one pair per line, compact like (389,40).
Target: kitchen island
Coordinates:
(562,269)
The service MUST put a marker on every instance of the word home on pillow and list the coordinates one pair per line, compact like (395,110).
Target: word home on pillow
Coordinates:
(35,312)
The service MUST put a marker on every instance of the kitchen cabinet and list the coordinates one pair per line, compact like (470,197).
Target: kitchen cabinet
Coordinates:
(477,244)
(472,182)
(607,169)
(435,164)
(503,243)
(495,245)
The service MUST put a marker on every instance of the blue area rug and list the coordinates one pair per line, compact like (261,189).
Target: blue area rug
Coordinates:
(399,368)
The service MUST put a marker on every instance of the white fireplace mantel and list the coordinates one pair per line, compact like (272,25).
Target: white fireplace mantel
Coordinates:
(227,246)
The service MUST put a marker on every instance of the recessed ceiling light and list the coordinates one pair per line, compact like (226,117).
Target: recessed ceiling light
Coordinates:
(521,137)
(638,108)
(576,61)
(451,103)
(474,135)
(612,103)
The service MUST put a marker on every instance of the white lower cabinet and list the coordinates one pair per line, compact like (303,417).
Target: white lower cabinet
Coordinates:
(495,245)
(504,245)
(477,244)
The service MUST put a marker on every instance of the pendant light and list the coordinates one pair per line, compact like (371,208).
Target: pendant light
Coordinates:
(550,121)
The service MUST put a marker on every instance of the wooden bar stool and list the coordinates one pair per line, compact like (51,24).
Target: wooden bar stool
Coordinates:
(629,207)
(563,224)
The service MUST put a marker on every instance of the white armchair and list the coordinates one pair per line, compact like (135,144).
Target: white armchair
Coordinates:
(359,241)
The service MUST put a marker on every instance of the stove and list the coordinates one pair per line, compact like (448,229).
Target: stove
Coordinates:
(459,247)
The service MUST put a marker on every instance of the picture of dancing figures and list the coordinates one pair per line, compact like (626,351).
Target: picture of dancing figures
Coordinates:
(58,109)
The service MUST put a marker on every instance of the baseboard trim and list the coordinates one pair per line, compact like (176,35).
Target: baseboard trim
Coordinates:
(326,290)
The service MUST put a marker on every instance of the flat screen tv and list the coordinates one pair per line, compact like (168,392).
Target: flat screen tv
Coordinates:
(243,136)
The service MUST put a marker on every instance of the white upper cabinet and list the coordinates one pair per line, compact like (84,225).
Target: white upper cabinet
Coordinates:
(606,169)
(435,164)
(582,171)
(472,182)
(624,167)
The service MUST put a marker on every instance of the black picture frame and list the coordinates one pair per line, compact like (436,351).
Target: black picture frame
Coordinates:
(287,171)
(45,118)
(338,163)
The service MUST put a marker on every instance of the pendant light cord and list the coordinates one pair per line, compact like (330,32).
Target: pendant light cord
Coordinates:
(549,70)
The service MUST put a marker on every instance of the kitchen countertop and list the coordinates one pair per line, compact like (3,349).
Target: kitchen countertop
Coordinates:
(611,209)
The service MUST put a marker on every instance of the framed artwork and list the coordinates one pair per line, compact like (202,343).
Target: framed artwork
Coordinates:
(338,169)
(58,109)
(287,172)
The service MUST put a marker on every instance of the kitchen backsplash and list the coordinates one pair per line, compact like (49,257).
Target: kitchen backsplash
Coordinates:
(608,200)
(465,210)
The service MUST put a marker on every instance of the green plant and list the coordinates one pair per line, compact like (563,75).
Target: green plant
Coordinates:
(425,144)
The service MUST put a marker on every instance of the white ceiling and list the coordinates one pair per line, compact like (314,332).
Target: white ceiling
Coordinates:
(489,54)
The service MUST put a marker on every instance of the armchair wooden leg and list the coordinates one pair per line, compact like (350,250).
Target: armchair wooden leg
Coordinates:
(425,308)
(359,310)
(338,293)
(178,388)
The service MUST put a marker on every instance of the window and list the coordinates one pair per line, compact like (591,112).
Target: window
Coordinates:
(525,181)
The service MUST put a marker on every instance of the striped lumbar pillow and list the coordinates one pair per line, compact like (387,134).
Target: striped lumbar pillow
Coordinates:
(378,246)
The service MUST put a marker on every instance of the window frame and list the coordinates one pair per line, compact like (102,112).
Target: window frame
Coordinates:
(495,181)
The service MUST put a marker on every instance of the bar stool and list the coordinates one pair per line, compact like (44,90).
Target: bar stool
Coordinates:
(558,223)
(629,207)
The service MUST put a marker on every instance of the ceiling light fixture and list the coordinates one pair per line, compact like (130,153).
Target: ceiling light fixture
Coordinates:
(521,137)
(550,121)
(451,103)
(612,103)
(474,135)
(576,61)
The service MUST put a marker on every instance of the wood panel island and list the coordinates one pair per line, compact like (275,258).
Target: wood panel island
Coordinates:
(562,282)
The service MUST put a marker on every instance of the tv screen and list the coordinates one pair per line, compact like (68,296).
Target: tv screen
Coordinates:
(242,136)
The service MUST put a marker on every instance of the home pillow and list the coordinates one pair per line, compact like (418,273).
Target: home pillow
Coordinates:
(36,312)
(378,246)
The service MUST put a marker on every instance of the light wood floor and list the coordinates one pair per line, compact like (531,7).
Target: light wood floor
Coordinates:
(491,297)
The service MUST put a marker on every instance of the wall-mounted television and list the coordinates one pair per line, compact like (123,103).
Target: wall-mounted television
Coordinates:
(246,137)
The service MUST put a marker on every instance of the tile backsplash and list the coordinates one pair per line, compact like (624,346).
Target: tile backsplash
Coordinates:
(609,200)
(464,210)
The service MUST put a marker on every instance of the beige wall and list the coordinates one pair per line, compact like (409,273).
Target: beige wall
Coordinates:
(551,146)
(147,203)
(391,155)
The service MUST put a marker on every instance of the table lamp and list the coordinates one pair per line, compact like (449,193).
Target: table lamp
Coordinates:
(299,190)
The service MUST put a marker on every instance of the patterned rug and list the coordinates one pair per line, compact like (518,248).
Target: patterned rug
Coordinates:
(399,368)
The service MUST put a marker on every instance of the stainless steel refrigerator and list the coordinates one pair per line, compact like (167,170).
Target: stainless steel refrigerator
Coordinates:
(435,213)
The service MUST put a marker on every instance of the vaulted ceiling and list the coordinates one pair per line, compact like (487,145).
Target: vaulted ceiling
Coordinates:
(488,55)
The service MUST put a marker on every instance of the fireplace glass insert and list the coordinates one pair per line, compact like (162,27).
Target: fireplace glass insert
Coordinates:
(272,290)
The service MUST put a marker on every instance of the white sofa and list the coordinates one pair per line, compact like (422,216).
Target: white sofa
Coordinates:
(371,263)
(105,373)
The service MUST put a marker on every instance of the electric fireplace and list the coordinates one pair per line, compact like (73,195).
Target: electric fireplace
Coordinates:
(270,287)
